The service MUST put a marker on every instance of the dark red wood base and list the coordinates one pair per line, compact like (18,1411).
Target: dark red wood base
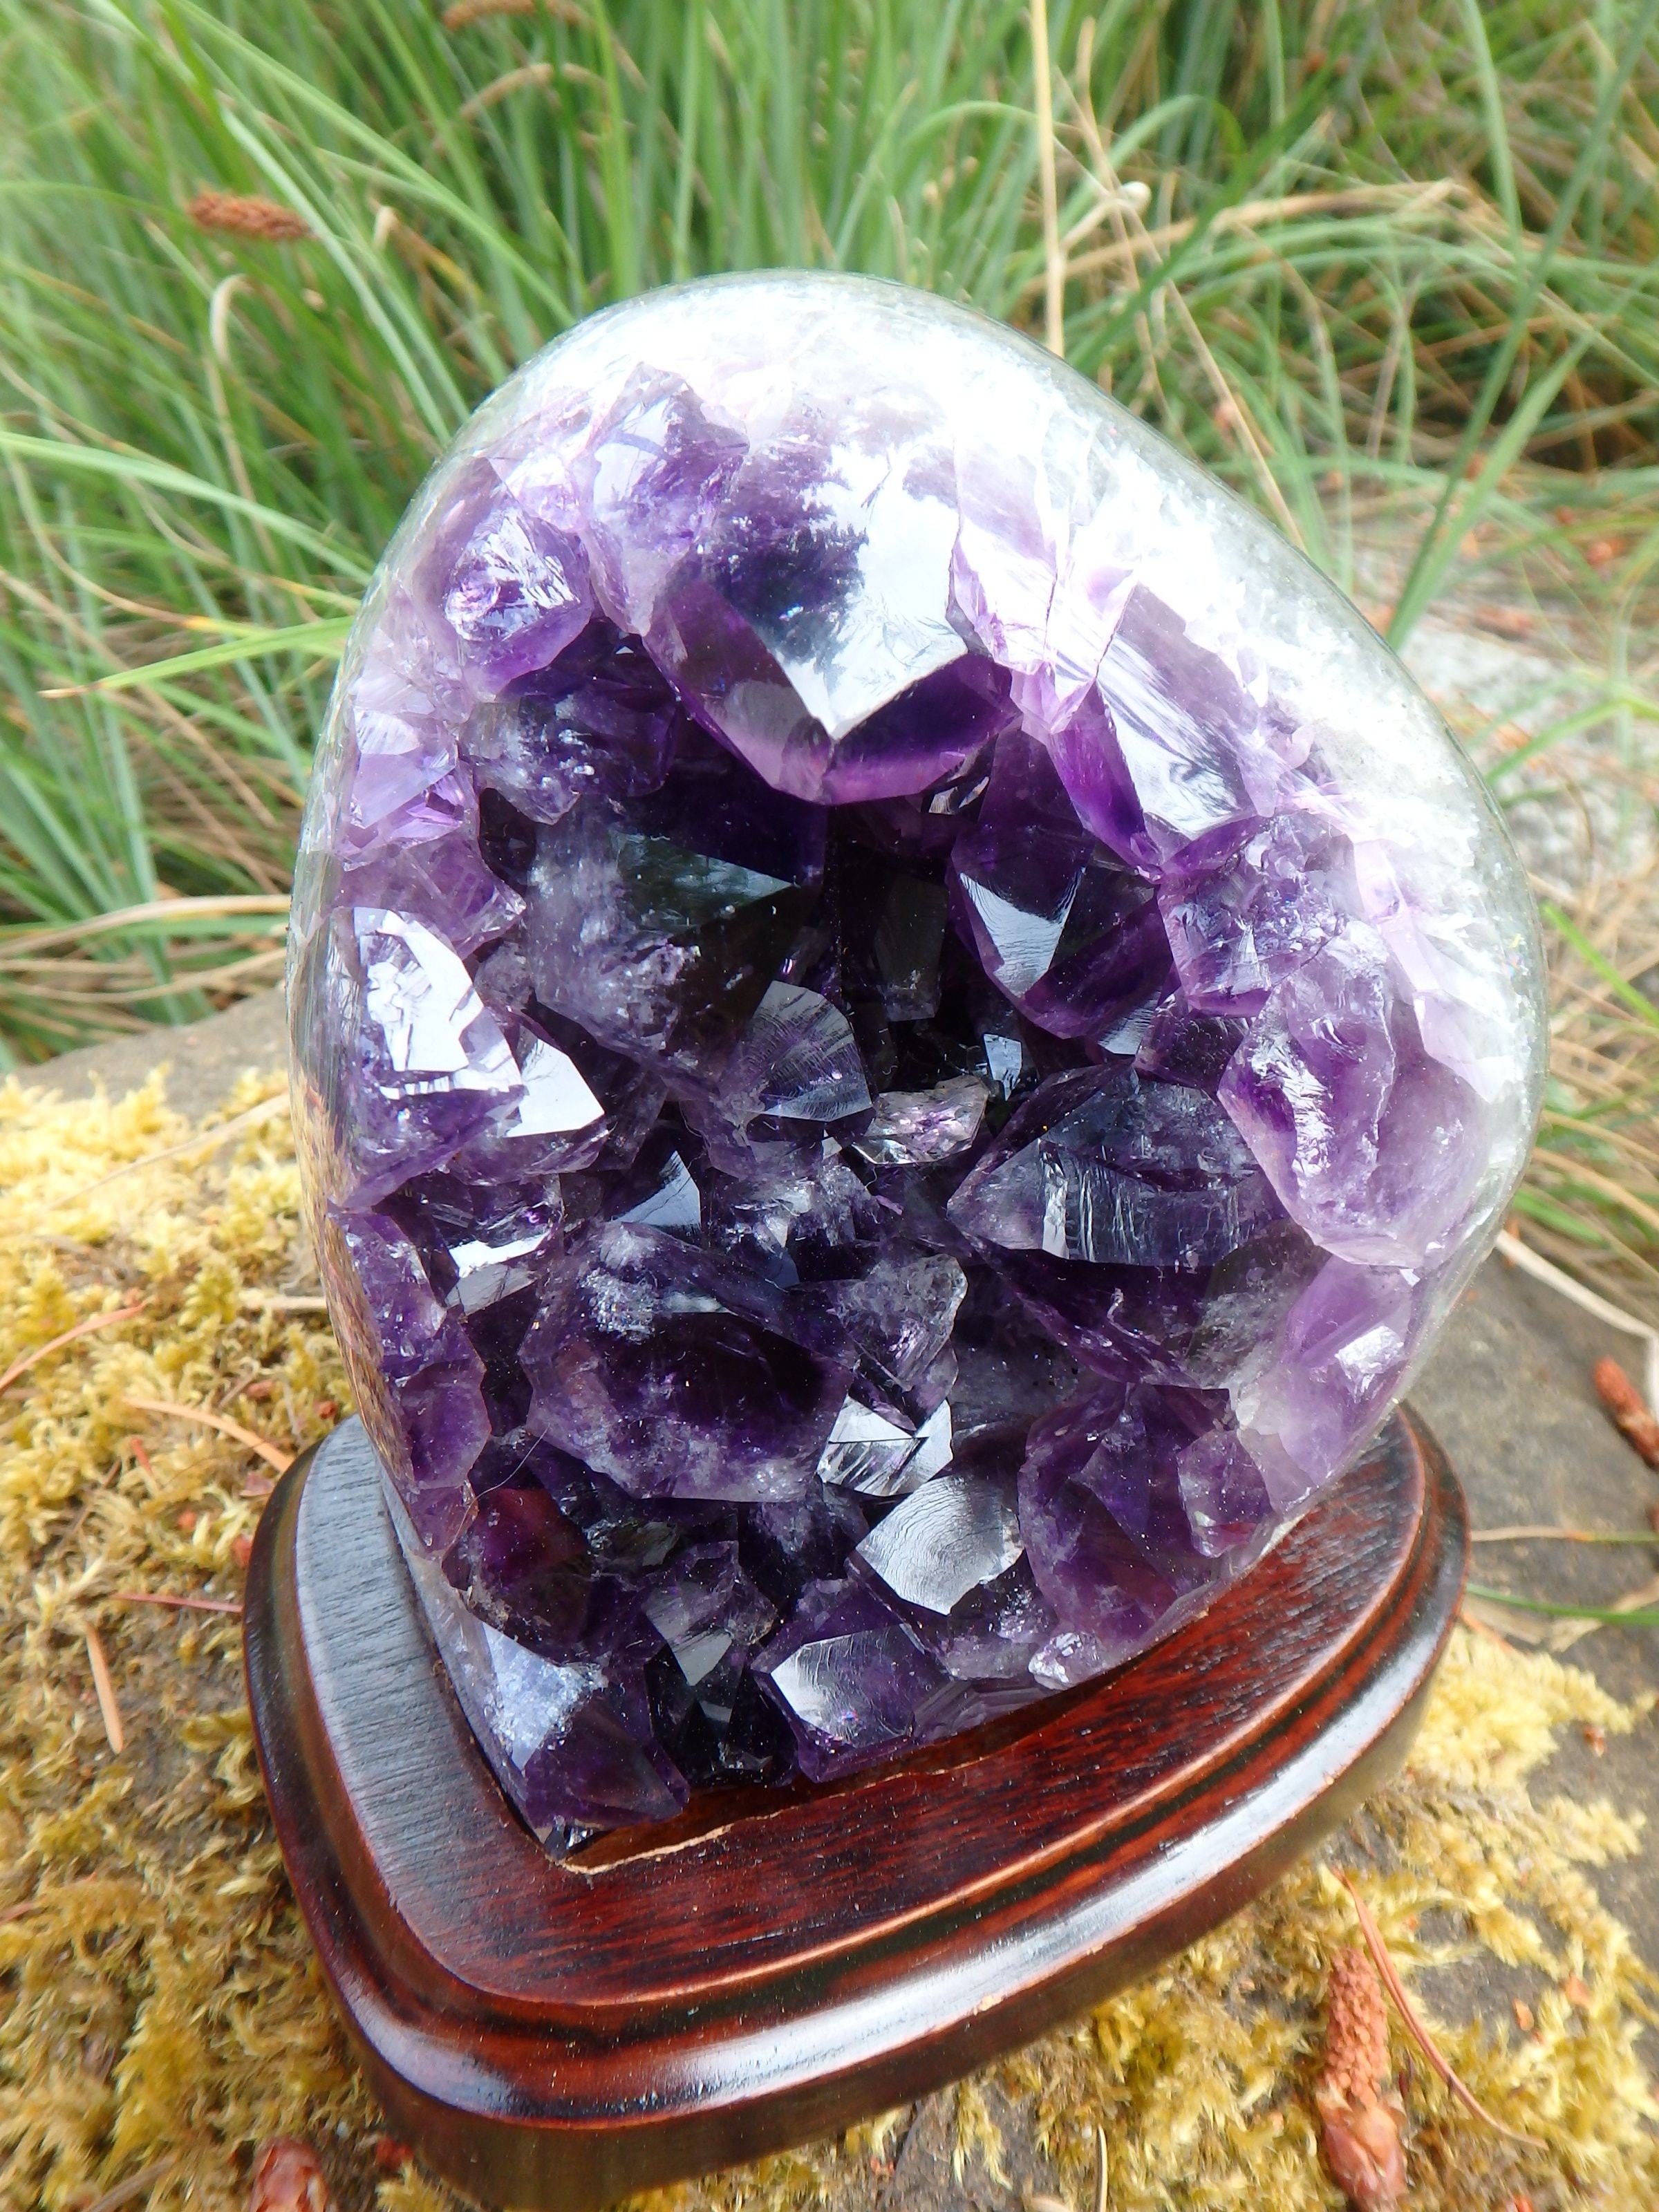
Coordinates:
(776,1965)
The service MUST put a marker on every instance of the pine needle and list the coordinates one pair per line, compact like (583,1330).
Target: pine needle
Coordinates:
(273,1455)
(89,1326)
(1412,2020)
(134,2186)
(1520,1255)
(104,1684)
(180,1604)
(274,1108)
(1636,1609)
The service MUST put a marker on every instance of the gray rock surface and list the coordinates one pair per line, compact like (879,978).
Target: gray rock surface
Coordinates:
(1508,1392)
(203,1059)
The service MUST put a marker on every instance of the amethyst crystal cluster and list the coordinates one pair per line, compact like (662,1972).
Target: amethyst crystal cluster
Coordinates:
(903,1026)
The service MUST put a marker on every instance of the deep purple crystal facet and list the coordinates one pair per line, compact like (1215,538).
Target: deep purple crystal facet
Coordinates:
(903,1028)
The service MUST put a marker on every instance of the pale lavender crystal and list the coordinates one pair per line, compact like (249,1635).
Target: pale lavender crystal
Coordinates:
(1335,1363)
(424,862)
(796,1061)
(898,1316)
(399,722)
(948,1537)
(1167,756)
(1238,929)
(1176,1045)
(904,1030)
(426,1409)
(425,1066)
(510,585)
(919,1128)
(1368,1140)
(652,477)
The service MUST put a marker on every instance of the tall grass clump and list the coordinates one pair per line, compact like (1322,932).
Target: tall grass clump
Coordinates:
(1387,269)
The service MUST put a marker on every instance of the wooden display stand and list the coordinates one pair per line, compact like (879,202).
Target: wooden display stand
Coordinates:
(775,1964)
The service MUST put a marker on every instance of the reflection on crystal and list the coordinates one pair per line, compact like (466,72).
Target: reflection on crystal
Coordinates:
(430,1064)
(948,1537)
(1114,1168)
(1004,1062)
(852,1679)
(497,1262)
(556,1097)
(882,1458)
(903,1028)
(865,1449)
(1336,1362)
(918,1128)
(798,1061)
(675,1203)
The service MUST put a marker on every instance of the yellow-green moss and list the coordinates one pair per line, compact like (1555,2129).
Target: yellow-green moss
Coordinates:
(158,1999)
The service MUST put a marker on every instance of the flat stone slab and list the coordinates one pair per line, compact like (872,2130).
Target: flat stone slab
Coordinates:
(1508,1393)
(204,1061)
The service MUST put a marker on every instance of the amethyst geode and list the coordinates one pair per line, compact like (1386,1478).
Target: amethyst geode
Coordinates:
(903,1027)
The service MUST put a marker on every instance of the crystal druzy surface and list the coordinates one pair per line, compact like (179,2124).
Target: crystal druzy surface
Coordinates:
(903,1026)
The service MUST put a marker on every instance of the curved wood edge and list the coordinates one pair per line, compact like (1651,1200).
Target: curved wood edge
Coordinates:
(503,2103)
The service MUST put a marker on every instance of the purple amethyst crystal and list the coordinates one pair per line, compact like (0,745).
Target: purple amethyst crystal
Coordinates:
(681,1373)
(904,1030)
